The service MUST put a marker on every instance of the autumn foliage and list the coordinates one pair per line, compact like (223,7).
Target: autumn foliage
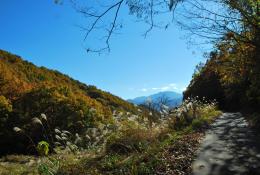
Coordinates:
(27,91)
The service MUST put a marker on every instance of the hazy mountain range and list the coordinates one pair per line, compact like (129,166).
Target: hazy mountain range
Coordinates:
(174,98)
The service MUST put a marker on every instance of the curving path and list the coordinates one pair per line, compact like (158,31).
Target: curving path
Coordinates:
(229,148)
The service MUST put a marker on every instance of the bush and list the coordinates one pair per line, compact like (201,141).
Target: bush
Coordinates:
(148,164)
(5,109)
(199,123)
(177,123)
(131,140)
(109,162)
(254,121)
(49,167)
(194,112)
(43,148)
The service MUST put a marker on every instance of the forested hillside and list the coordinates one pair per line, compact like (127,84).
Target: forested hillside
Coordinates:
(232,71)
(67,127)
(26,91)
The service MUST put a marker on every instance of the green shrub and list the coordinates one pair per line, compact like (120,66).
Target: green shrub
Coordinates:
(5,105)
(43,148)
(131,140)
(5,110)
(144,168)
(198,123)
(110,161)
(49,167)
(143,164)
(177,123)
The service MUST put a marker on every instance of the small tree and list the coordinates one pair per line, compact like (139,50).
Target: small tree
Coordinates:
(163,104)
(151,106)
(5,110)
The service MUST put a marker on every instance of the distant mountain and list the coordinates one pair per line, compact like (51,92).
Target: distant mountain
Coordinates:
(174,98)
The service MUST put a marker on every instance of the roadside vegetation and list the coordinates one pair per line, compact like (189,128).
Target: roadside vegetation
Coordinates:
(231,72)
(27,91)
(51,124)
(131,145)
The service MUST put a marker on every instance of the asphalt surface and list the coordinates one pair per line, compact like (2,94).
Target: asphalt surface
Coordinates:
(230,147)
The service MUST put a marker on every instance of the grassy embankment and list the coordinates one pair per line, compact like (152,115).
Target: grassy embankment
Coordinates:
(136,146)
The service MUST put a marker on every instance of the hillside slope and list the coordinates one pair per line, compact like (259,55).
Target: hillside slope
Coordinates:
(26,91)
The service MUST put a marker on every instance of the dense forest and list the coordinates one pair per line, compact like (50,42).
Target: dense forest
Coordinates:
(27,91)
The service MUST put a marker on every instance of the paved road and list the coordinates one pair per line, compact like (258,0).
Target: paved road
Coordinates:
(229,148)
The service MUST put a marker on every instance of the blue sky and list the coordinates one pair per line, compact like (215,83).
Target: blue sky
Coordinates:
(46,34)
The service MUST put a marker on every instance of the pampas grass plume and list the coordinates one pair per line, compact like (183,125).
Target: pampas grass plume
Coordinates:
(44,117)
(36,120)
(16,129)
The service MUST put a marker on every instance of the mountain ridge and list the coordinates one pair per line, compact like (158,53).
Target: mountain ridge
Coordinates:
(174,98)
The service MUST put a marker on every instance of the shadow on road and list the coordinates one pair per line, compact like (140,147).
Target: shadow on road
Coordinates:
(229,148)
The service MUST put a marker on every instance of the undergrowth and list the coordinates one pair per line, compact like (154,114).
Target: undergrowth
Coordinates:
(133,145)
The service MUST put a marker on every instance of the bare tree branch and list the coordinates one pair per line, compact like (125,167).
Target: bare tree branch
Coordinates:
(213,19)
(144,10)
(209,19)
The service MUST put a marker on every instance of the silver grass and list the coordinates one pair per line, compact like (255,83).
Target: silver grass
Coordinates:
(92,110)
(114,112)
(36,121)
(57,131)
(64,138)
(16,129)
(64,135)
(66,132)
(87,137)
(57,143)
(58,137)
(78,140)
(68,143)
(105,132)
(44,117)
